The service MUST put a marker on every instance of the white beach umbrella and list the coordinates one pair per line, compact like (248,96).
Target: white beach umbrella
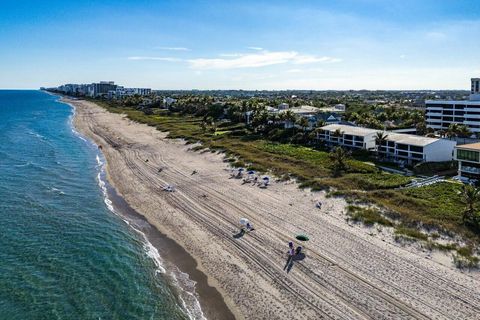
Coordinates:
(244,221)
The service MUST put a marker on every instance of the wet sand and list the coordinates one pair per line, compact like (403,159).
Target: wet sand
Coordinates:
(211,301)
(347,273)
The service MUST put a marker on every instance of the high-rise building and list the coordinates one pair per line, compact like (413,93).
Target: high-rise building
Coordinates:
(441,113)
(101,88)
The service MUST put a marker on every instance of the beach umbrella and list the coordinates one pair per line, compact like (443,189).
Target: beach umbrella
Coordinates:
(244,221)
(266,178)
(302,237)
(240,169)
(251,172)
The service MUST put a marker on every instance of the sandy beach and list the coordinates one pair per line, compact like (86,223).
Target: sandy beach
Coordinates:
(347,273)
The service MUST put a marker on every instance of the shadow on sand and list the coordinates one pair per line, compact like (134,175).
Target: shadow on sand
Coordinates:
(239,234)
(297,257)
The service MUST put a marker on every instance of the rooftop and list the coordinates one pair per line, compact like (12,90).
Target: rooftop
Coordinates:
(466,102)
(351,130)
(470,146)
(410,139)
(304,109)
(402,138)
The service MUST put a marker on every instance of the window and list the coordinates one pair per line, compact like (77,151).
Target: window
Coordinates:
(402,147)
(467,155)
(416,149)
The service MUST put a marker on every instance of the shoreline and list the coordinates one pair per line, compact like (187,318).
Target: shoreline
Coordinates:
(347,273)
(211,301)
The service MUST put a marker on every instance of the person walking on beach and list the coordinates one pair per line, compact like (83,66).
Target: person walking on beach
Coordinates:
(291,254)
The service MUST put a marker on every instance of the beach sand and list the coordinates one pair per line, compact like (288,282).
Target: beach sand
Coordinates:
(346,274)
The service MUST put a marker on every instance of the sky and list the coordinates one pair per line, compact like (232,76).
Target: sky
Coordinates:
(273,45)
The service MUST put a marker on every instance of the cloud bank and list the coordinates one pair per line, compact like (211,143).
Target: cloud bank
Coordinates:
(260,59)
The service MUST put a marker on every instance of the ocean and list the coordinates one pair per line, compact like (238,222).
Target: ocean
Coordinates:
(64,251)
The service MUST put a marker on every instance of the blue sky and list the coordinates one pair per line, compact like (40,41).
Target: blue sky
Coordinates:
(296,44)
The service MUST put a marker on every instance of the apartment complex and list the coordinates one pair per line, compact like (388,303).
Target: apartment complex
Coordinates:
(348,136)
(441,113)
(101,89)
(468,157)
(398,147)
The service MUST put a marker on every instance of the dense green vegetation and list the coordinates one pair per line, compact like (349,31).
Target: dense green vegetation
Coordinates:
(368,216)
(265,148)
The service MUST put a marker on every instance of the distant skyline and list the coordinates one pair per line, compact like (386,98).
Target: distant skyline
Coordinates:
(273,45)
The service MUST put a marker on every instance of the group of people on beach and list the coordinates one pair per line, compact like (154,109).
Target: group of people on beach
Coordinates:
(291,254)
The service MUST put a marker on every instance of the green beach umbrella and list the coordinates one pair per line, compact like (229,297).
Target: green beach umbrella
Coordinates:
(302,237)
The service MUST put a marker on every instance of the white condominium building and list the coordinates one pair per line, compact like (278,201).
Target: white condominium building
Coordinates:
(400,147)
(468,157)
(441,113)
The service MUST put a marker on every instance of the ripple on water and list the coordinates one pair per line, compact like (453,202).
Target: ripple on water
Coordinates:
(63,254)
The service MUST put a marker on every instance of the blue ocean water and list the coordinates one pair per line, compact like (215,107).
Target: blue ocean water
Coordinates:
(63,253)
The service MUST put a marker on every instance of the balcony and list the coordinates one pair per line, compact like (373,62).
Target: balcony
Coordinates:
(472,170)
(472,122)
(472,116)
(472,109)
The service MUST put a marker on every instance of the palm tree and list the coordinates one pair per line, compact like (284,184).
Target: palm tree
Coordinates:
(288,116)
(337,134)
(463,131)
(338,156)
(380,139)
(452,130)
(470,197)
(421,128)
(303,122)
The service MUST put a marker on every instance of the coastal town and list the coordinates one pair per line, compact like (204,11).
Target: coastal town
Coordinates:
(438,127)
(386,142)
(240,160)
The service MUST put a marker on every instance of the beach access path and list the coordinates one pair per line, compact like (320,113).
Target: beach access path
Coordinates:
(346,274)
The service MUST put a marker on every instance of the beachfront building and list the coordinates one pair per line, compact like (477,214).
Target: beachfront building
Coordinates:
(468,157)
(409,148)
(101,88)
(441,113)
(121,92)
(397,147)
(348,136)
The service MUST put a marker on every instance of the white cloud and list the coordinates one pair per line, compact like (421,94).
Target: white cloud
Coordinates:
(260,59)
(174,48)
(294,70)
(170,59)
(231,54)
(403,56)
(244,61)
(435,35)
(255,48)
(302,59)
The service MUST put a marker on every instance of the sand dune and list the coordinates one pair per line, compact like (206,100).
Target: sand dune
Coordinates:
(346,274)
